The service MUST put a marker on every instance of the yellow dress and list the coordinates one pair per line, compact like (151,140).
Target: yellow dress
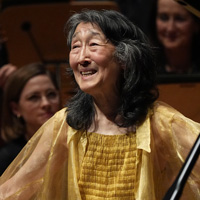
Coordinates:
(109,167)
(54,163)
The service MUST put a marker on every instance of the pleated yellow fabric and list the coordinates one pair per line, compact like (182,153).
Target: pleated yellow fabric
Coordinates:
(109,168)
(55,164)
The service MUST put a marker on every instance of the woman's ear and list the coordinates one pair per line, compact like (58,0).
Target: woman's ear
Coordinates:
(15,109)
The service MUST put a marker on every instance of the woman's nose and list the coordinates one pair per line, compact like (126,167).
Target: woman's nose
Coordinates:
(45,101)
(84,56)
(171,25)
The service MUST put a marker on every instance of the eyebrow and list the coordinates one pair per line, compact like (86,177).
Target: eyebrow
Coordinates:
(93,33)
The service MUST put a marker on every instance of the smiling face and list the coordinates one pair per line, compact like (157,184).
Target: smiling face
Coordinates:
(175,25)
(92,60)
(39,100)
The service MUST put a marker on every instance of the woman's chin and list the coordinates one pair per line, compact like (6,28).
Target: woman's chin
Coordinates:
(88,89)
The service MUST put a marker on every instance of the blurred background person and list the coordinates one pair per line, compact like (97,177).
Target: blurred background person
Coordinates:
(31,97)
(6,68)
(5,71)
(176,32)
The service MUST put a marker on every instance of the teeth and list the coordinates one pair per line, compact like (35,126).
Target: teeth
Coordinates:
(87,73)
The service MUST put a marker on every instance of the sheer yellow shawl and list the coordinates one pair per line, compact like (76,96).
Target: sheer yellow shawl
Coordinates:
(48,167)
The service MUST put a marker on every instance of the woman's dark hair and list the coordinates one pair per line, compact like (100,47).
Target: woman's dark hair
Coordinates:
(12,126)
(138,90)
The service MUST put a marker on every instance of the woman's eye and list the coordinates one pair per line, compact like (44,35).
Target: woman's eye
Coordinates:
(52,95)
(180,18)
(93,44)
(75,46)
(34,98)
(163,17)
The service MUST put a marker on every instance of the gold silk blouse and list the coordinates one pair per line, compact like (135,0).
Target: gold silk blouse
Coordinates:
(51,166)
(108,169)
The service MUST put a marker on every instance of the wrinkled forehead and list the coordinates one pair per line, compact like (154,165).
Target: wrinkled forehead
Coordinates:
(88,29)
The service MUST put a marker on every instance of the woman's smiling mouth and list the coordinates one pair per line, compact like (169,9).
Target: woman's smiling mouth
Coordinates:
(88,73)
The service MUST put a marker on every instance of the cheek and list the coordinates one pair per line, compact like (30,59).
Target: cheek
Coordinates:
(26,109)
(187,29)
(55,106)
(160,30)
(103,58)
(186,33)
(74,65)
(72,62)
(28,115)
(160,26)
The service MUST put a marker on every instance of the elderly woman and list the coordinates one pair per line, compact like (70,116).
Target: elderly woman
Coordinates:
(113,141)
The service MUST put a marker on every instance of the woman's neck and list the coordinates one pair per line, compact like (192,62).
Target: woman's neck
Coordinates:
(178,61)
(30,131)
(106,117)
(107,105)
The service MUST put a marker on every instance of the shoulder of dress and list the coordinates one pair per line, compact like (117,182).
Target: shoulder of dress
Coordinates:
(164,109)
(58,119)
(61,114)
(162,113)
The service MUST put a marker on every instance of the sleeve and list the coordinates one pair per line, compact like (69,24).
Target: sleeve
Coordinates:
(40,162)
(173,136)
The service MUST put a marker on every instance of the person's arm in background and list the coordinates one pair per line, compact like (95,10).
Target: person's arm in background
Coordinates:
(6,69)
